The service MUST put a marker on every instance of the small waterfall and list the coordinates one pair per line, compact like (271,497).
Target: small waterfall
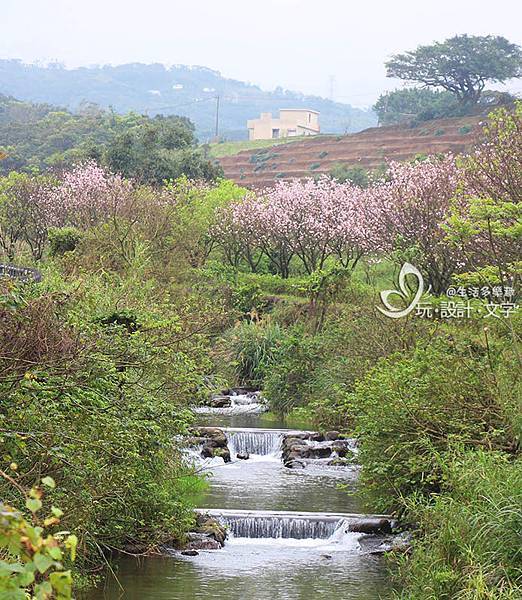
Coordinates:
(250,403)
(334,527)
(279,527)
(263,442)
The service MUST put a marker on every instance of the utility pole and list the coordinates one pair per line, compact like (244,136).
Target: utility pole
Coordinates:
(217,118)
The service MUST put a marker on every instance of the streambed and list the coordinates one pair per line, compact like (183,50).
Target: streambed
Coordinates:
(271,556)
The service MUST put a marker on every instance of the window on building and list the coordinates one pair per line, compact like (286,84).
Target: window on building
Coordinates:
(275,133)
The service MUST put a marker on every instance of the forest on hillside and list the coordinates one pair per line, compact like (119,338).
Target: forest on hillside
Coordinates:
(181,90)
(37,137)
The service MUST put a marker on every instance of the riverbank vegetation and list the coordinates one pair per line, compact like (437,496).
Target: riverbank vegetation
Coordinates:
(435,402)
(155,295)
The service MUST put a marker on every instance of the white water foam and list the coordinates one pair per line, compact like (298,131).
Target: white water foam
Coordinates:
(341,540)
(240,404)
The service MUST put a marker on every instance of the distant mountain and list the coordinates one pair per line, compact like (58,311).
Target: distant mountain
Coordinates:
(182,90)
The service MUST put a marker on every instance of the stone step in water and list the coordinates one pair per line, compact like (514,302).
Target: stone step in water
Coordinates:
(298,525)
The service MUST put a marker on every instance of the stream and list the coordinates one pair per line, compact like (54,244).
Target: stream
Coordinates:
(287,534)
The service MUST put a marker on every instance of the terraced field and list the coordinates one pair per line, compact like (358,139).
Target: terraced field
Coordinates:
(369,148)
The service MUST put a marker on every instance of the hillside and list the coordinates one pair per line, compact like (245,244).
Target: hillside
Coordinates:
(179,89)
(369,148)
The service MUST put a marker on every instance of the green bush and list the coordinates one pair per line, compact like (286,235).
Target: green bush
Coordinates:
(288,380)
(252,348)
(355,174)
(411,409)
(33,556)
(97,406)
(63,239)
(468,546)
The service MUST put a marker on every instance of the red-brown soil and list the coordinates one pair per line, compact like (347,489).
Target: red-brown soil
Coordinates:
(369,148)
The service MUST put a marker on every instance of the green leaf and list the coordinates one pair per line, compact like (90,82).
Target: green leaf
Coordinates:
(49,482)
(62,583)
(55,552)
(33,504)
(12,595)
(42,562)
(7,568)
(71,543)
(43,591)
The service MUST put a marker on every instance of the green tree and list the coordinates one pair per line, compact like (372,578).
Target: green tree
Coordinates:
(461,65)
(419,104)
(354,174)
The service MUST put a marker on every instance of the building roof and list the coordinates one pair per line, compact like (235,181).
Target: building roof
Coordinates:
(300,110)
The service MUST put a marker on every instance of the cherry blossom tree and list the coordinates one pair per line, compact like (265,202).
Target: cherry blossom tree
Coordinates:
(87,195)
(409,207)
(311,220)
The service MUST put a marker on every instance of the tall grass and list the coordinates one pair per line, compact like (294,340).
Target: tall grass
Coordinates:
(253,347)
(471,542)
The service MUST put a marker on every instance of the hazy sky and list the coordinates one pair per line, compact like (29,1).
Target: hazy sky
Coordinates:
(298,44)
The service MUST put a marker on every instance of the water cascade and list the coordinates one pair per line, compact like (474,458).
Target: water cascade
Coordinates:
(263,442)
(298,525)
(247,403)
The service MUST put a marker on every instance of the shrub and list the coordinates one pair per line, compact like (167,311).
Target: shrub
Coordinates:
(468,545)
(253,350)
(97,407)
(33,557)
(410,410)
(354,174)
(287,382)
(63,239)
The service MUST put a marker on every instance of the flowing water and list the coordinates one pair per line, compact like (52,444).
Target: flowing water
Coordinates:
(290,531)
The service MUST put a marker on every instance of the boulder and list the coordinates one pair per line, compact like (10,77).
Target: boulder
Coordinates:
(289,438)
(320,452)
(189,552)
(220,402)
(340,449)
(194,441)
(340,462)
(316,437)
(223,453)
(211,528)
(296,451)
(295,464)
(243,455)
(388,543)
(372,526)
(203,544)
(210,451)
(216,435)
(331,436)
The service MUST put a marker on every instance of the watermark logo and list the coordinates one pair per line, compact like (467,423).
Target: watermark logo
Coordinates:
(397,313)
(496,301)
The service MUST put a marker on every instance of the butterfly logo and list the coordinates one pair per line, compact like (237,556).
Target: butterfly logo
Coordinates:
(397,313)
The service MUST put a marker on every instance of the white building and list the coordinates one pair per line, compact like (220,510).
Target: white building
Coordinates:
(291,122)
